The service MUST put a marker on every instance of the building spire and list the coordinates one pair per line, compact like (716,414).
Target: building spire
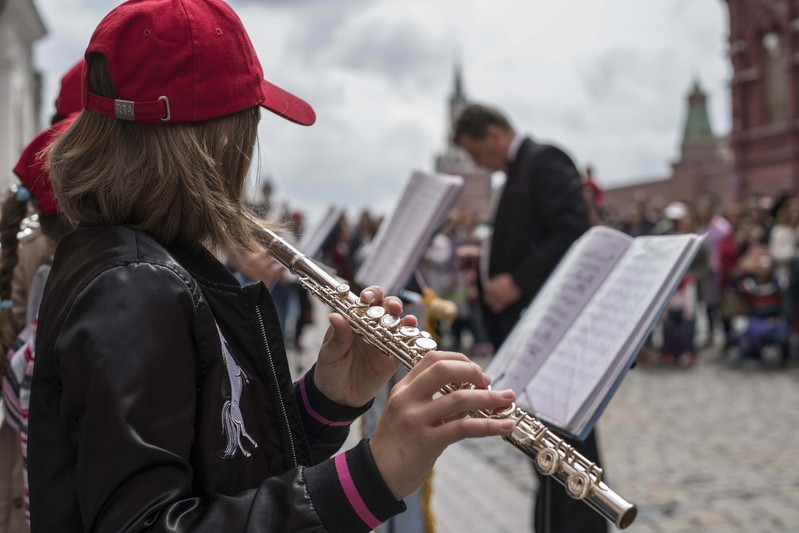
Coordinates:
(697,122)
(457,100)
(458,79)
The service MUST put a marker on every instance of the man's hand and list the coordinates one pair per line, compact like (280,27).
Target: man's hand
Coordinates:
(501,292)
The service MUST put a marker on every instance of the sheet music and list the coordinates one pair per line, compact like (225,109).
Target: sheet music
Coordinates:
(312,241)
(402,239)
(585,355)
(560,300)
(597,401)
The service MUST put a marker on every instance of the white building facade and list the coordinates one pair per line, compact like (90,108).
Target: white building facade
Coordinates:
(20,101)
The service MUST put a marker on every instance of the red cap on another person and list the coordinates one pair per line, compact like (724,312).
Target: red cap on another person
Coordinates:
(183,61)
(70,97)
(31,171)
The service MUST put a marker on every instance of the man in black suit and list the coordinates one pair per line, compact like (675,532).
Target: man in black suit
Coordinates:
(540,213)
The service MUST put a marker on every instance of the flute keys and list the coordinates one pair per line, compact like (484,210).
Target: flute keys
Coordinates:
(389,321)
(409,331)
(426,344)
(548,461)
(375,312)
(504,413)
(578,485)
(342,289)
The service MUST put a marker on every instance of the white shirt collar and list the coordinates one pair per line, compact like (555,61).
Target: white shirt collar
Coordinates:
(513,149)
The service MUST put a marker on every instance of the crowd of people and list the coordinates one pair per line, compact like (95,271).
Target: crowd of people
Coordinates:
(745,281)
(743,284)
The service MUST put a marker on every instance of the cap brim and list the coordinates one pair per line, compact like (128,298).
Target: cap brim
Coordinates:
(286,105)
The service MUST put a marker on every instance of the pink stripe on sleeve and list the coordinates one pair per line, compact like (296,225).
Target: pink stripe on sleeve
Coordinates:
(316,416)
(353,496)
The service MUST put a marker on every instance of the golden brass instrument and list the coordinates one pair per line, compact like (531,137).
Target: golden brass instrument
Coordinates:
(551,454)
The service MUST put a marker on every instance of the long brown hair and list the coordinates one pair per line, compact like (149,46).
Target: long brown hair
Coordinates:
(180,183)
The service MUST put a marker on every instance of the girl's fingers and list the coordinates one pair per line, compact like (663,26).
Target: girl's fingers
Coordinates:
(430,379)
(467,428)
(409,320)
(439,355)
(372,294)
(393,305)
(456,404)
(432,357)
(338,337)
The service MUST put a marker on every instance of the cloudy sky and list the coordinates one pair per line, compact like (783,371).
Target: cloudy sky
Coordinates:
(606,79)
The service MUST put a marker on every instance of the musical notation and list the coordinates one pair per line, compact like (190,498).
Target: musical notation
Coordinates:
(575,367)
(559,302)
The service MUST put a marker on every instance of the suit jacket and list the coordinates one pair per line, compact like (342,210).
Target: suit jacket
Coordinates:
(540,214)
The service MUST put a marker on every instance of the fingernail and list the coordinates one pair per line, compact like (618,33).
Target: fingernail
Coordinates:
(486,380)
(507,395)
(368,296)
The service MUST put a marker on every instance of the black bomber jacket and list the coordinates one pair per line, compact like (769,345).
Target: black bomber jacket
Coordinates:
(143,419)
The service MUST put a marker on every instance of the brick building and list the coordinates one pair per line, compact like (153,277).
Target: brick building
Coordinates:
(705,164)
(761,153)
(764,50)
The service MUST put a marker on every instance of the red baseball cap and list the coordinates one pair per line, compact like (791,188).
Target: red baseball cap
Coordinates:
(70,97)
(183,61)
(31,171)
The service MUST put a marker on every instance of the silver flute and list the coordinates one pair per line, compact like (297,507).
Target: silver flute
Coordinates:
(551,455)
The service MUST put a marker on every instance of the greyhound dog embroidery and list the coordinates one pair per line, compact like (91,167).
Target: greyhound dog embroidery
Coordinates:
(232,419)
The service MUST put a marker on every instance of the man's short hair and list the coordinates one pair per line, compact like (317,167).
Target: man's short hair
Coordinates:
(474,119)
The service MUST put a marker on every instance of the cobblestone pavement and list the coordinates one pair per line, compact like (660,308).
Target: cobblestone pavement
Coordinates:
(707,449)
(713,448)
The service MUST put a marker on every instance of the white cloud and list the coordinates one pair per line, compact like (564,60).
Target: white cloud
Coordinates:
(606,79)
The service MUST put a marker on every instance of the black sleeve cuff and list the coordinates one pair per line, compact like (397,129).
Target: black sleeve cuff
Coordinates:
(320,409)
(349,493)
(326,423)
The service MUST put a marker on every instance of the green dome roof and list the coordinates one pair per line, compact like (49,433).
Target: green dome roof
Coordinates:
(697,123)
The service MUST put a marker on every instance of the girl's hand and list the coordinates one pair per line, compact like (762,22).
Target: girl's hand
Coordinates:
(349,371)
(416,427)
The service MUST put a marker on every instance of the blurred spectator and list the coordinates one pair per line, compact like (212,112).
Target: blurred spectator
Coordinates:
(362,238)
(594,198)
(715,227)
(636,223)
(262,207)
(679,321)
(436,265)
(782,238)
(758,220)
(337,249)
(729,253)
(301,314)
(671,214)
(766,322)
(24,269)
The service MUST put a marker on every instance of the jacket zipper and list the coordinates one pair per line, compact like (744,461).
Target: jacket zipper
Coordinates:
(277,385)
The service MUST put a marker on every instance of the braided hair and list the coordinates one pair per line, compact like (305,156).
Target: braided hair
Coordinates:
(15,208)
